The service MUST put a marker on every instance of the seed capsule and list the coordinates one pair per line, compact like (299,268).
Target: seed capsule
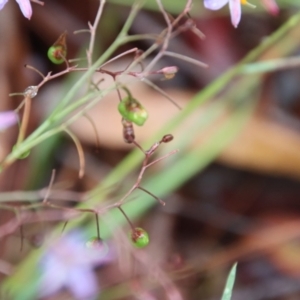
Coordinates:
(56,54)
(139,237)
(132,110)
(58,51)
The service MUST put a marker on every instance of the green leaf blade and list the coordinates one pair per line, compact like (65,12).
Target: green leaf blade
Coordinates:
(227,293)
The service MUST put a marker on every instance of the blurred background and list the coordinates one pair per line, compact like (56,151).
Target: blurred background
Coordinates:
(241,206)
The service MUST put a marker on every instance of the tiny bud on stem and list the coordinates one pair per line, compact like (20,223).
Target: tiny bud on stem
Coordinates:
(167,138)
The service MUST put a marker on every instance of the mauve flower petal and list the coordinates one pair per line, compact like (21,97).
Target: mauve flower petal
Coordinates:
(7,119)
(81,254)
(2,3)
(82,283)
(101,255)
(69,263)
(235,12)
(53,276)
(214,4)
(25,7)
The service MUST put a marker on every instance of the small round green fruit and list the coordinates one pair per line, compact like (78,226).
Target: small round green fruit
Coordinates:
(56,54)
(131,110)
(139,237)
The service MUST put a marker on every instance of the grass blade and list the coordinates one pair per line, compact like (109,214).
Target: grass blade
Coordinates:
(229,283)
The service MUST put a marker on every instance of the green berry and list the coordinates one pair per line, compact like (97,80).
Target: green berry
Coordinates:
(58,51)
(131,110)
(56,54)
(139,237)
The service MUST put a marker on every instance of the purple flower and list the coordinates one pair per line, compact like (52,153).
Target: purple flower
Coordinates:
(7,119)
(25,7)
(234,7)
(69,263)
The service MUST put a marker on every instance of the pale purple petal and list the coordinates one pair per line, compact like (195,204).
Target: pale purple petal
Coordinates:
(235,12)
(81,254)
(2,3)
(53,276)
(214,4)
(7,119)
(25,7)
(68,263)
(82,283)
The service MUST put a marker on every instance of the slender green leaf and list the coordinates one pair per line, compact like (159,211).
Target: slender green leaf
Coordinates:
(229,283)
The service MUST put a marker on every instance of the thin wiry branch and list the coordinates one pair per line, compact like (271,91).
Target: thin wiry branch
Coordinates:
(93,29)
(186,58)
(161,91)
(79,150)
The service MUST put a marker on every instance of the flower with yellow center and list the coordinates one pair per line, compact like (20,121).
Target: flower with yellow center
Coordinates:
(234,7)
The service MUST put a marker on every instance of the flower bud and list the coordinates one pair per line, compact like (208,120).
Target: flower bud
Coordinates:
(167,138)
(169,72)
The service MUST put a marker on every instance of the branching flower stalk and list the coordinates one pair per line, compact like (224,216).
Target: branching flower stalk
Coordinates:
(93,29)
(146,164)
(24,214)
(49,127)
(27,216)
(62,105)
(64,108)
(55,123)
(63,116)
(69,110)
